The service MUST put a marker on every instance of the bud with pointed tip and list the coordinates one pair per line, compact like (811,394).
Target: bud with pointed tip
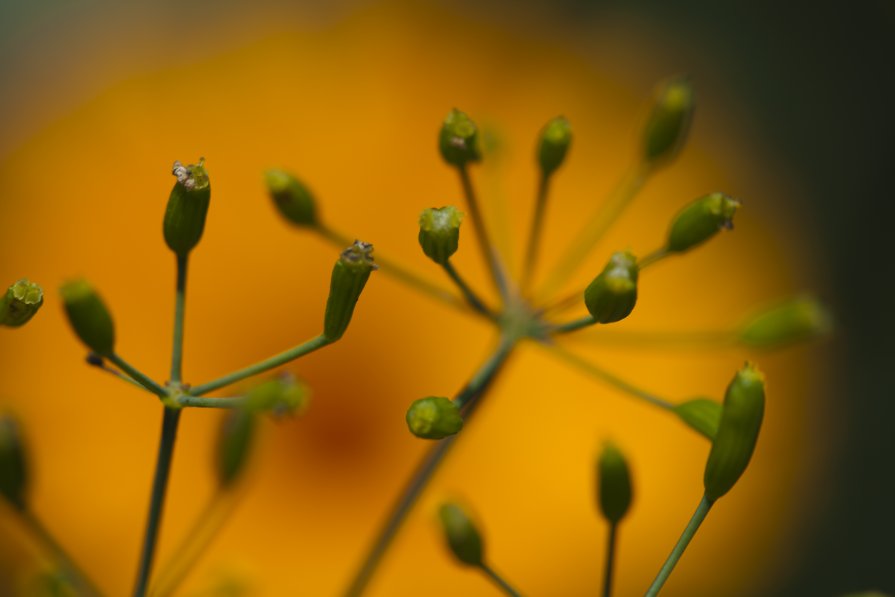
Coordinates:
(462,536)
(440,232)
(13,467)
(187,207)
(89,316)
(613,293)
(350,275)
(293,199)
(282,395)
(794,320)
(20,303)
(234,444)
(669,121)
(434,417)
(458,139)
(614,483)
(737,435)
(556,136)
(701,415)
(700,221)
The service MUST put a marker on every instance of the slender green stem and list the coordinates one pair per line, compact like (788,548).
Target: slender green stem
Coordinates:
(101,365)
(586,321)
(262,366)
(139,377)
(73,573)
(179,304)
(468,398)
(609,569)
(170,421)
(600,373)
(594,229)
(659,340)
(487,248)
(471,297)
(704,506)
(196,402)
(499,580)
(534,235)
(654,257)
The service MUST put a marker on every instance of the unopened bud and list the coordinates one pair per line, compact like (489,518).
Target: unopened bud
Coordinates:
(434,418)
(458,139)
(20,303)
(614,483)
(794,320)
(350,275)
(282,395)
(292,198)
(88,316)
(700,221)
(737,434)
(668,123)
(440,232)
(462,536)
(556,136)
(234,444)
(13,467)
(700,414)
(187,207)
(613,293)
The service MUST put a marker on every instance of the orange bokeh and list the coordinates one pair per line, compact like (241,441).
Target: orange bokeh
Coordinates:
(353,108)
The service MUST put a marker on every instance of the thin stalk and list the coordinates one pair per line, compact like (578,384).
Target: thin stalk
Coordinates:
(572,326)
(179,305)
(467,398)
(471,297)
(262,366)
(139,377)
(73,573)
(196,402)
(170,421)
(704,506)
(101,365)
(498,580)
(659,340)
(594,229)
(534,235)
(608,570)
(600,373)
(487,248)
(654,257)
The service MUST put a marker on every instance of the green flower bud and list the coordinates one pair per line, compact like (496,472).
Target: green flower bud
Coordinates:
(234,445)
(292,198)
(668,123)
(20,303)
(281,395)
(440,232)
(794,320)
(700,221)
(187,207)
(434,418)
(612,294)
(88,316)
(462,536)
(13,468)
(349,277)
(614,483)
(458,139)
(737,432)
(701,414)
(556,136)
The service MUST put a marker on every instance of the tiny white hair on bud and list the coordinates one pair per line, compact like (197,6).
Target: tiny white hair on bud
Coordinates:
(183,174)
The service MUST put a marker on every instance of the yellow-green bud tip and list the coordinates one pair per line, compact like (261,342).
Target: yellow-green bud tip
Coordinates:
(13,465)
(349,276)
(187,207)
(613,293)
(439,234)
(462,536)
(794,320)
(434,418)
(614,483)
(20,303)
(553,144)
(669,121)
(293,199)
(458,139)
(88,316)
(701,220)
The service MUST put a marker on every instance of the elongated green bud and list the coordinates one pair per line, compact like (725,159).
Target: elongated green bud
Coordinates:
(614,483)
(701,414)
(668,123)
(234,445)
(613,293)
(794,320)
(553,144)
(21,301)
(462,536)
(88,316)
(13,467)
(187,207)
(434,418)
(349,277)
(282,395)
(440,232)
(700,221)
(292,198)
(737,432)
(458,139)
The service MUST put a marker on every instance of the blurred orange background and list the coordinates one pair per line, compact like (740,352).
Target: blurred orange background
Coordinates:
(350,100)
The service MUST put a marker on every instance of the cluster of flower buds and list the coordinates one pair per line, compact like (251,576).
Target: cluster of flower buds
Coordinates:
(292,198)
(463,538)
(440,232)
(553,144)
(187,207)
(20,303)
(613,484)
(669,121)
(701,220)
(434,417)
(281,395)
(349,276)
(788,322)
(458,140)
(613,293)
(88,316)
